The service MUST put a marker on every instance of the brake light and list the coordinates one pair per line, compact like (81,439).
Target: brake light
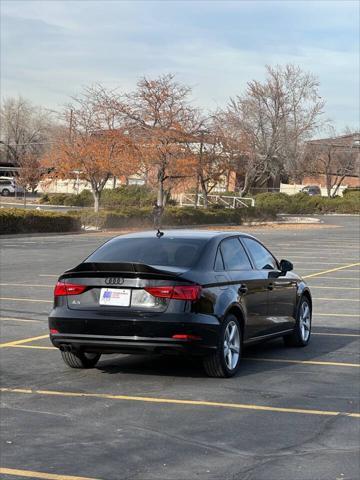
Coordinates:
(181,336)
(62,288)
(176,292)
(53,331)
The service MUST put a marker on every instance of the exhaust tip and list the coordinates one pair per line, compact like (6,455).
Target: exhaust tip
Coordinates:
(65,348)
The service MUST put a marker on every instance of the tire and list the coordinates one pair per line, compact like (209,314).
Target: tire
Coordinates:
(5,192)
(225,362)
(81,359)
(300,337)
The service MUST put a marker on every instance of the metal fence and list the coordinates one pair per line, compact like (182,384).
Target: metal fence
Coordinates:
(198,200)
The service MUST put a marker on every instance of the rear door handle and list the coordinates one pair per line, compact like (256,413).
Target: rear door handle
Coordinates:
(243,289)
(270,286)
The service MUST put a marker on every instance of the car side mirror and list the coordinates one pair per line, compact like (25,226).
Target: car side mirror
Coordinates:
(286,266)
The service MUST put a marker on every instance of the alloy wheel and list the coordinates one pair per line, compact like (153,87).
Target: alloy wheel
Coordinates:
(305,321)
(231,345)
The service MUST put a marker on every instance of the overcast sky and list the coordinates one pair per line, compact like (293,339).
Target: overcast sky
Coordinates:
(50,49)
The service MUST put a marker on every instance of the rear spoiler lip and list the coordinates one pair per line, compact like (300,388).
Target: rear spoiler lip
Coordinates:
(110,268)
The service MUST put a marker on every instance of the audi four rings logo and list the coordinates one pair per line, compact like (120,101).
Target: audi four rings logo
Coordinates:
(114,280)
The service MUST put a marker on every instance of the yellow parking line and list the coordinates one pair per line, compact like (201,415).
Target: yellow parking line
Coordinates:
(332,270)
(40,347)
(304,362)
(6,319)
(26,300)
(298,269)
(25,340)
(197,403)
(36,347)
(43,275)
(332,299)
(24,285)
(33,474)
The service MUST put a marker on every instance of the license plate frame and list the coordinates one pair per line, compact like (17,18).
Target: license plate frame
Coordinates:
(115,297)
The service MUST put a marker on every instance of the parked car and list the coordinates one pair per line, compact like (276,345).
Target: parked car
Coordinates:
(311,190)
(8,187)
(202,293)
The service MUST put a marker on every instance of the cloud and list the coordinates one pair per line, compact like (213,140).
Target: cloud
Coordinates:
(51,49)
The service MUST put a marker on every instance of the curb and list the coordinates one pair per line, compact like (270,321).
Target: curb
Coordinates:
(312,221)
(41,234)
(40,206)
(285,221)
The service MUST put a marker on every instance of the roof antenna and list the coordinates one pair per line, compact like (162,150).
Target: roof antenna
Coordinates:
(158,210)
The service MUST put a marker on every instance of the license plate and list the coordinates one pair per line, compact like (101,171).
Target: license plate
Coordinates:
(117,297)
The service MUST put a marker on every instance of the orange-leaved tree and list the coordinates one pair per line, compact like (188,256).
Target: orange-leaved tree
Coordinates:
(95,146)
(161,121)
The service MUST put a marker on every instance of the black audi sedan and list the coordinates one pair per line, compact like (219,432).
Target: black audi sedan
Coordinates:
(202,293)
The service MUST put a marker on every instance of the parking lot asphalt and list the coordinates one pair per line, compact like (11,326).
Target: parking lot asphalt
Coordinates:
(288,414)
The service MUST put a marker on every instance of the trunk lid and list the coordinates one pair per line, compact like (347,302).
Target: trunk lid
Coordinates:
(120,287)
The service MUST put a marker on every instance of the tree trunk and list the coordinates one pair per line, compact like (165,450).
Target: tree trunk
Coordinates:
(160,194)
(328,184)
(197,191)
(96,195)
(338,185)
(246,186)
(328,173)
(228,173)
(204,192)
(206,200)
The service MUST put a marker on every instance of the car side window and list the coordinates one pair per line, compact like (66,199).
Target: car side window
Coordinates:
(219,264)
(262,258)
(234,255)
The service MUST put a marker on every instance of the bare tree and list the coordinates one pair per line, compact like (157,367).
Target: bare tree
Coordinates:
(212,157)
(25,129)
(335,157)
(30,172)
(276,117)
(238,152)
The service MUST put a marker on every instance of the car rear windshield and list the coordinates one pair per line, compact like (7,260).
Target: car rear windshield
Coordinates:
(169,251)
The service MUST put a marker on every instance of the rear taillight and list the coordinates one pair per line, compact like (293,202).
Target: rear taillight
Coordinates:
(62,289)
(176,292)
(184,336)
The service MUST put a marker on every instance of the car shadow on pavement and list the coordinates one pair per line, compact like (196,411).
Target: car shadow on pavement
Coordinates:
(322,348)
(162,365)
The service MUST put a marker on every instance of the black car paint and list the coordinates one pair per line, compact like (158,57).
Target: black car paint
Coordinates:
(265,302)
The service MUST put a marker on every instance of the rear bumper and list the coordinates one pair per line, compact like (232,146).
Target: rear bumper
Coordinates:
(153,334)
(133,345)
